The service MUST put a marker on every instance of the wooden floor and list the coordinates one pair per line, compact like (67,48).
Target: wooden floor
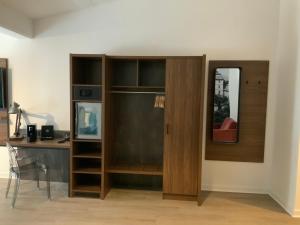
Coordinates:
(130,207)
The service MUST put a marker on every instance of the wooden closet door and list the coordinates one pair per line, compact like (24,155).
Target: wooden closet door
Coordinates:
(182,126)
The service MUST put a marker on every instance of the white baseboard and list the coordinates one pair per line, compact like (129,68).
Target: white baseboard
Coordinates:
(296,213)
(3,174)
(237,189)
(285,207)
(234,189)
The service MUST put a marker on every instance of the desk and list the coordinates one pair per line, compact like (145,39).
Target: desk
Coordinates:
(57,156)
(41,144)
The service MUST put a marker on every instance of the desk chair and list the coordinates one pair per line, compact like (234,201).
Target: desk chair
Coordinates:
(20,165)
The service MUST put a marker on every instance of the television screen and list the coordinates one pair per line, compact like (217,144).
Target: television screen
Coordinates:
(2,89)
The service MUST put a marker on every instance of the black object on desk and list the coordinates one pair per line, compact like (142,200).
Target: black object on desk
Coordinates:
(47,132)
(63,140)
(31,133)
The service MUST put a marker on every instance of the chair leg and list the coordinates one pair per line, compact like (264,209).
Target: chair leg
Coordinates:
(48,183)
(8,184)
(17,185)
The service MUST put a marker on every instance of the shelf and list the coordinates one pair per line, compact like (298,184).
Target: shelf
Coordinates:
(138,89)
(87,189)
(138,92)
(87,171)
(88,101)
(87,150)
(152,72)
(143,170)
(94,155)
(86,155)
(87,85)
(87,165)
(124,71)
(86,140)
(86,70)
(86,183)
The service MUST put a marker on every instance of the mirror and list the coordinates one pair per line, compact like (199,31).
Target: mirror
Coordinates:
(226,105)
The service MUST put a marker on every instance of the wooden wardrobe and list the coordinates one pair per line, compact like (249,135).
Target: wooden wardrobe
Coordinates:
(183,127)
(144,145)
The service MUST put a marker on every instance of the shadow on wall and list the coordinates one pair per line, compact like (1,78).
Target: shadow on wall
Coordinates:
(48,118)
(260,201)
(67,22)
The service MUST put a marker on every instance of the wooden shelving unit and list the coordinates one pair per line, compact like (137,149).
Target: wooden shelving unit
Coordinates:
(138,89)
(135,150)
(86,155)
(89,155)
(136,169)
(136,128)
(88,171)
(86,189)
(87,85)
(86,183)
(87,140)
(89,101)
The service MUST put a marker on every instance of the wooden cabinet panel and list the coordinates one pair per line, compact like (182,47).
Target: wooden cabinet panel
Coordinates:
(3,127)
(182,125)
(252,118)
(87,70)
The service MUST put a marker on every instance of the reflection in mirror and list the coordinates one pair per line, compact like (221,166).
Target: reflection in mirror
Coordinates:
(226,105)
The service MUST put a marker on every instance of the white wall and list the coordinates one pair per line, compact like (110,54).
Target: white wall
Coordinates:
(286,135)
(6,46)
(223,29)
(297,112)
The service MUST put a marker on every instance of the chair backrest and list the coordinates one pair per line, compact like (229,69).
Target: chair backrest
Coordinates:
(13,154)
(228,123)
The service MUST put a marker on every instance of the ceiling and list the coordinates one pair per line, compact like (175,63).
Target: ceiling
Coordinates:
(38,9)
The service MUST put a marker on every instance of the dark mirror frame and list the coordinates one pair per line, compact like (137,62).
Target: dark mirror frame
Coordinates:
(238,107)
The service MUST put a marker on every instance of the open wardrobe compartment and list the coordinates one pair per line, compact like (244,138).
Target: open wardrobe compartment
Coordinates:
(152,110)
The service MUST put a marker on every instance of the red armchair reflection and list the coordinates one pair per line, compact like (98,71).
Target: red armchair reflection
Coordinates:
(225,132)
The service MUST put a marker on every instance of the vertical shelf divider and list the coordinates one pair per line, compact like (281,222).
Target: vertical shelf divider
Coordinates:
(137,72)
(86,157)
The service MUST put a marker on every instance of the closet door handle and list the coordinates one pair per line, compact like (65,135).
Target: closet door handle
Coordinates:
(167,128)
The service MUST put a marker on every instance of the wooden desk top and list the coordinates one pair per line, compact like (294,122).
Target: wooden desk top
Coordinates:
(41,144)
